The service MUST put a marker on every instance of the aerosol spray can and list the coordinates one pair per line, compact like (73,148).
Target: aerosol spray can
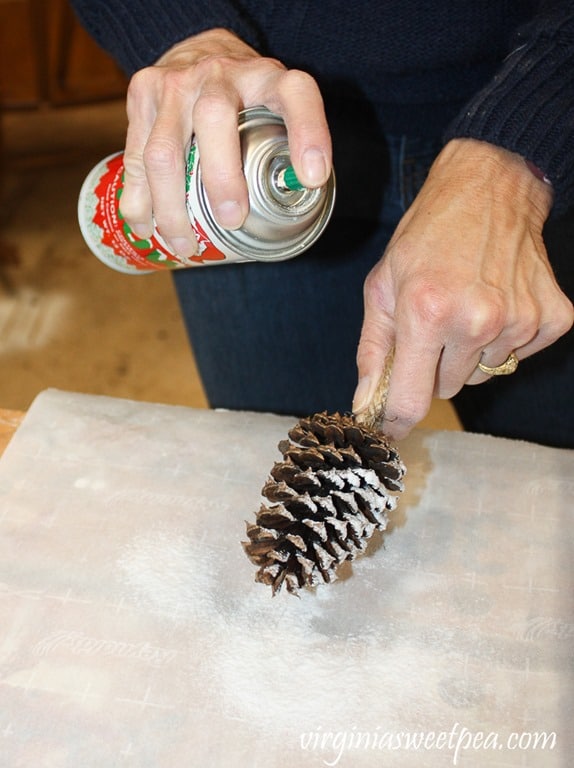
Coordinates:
(284,217)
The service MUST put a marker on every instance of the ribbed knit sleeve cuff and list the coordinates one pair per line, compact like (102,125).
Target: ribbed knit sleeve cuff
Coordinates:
(528,108)
(137,32)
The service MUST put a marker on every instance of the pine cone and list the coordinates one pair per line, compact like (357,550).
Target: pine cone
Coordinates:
(334,487)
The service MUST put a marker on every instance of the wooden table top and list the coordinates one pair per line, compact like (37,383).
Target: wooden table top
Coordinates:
(9,423)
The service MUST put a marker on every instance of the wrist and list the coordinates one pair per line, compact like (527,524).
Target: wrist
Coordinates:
(506,175)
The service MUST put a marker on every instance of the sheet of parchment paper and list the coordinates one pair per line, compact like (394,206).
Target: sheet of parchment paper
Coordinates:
(132,632)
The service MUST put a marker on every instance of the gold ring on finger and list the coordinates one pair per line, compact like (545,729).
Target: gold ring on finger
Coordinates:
(505,368)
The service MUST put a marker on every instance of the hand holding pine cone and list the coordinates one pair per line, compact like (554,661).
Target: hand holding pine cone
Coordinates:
(333,489)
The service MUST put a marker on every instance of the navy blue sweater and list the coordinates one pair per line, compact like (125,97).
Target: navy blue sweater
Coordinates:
(501,71)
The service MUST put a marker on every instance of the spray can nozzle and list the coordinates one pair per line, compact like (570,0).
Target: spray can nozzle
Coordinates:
(287,180)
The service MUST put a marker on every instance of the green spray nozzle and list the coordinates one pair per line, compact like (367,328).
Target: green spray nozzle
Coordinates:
(290,180)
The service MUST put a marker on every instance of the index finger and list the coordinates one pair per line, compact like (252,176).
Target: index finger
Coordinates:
(297,98)
(136,202)
(165,163)
(412,382)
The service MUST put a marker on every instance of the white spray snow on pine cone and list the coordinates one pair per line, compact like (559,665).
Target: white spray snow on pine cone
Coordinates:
(334,487)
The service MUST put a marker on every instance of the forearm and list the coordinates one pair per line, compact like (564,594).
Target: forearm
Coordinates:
(138,32)
(528,108)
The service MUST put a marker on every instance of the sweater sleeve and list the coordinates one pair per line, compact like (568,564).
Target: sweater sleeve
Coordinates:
(528,107)
(137,32)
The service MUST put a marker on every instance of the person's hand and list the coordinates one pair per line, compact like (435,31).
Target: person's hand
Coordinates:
(465,279)
(198,87)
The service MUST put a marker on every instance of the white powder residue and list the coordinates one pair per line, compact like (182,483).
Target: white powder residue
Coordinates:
(169,575)
(273,663)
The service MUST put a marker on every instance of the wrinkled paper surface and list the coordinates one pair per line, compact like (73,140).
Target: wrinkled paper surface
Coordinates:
(132,631)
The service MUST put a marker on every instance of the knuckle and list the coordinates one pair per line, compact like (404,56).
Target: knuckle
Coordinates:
(485,318)
(210,104)
(172,226)
(209,66)
(140,86)
(371,294)
(135,171)
(480,317)
(128,209)
(156,85)
(368,353)
(160,154)
(175,80)
(294,82)
(431,305)
(140,82)
(373,287)
(156,82)
(229,177)
(563,319)
(218,65)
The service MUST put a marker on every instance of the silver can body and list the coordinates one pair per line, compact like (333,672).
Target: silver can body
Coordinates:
(284,218)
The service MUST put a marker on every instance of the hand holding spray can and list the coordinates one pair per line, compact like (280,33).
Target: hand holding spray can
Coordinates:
(284,217)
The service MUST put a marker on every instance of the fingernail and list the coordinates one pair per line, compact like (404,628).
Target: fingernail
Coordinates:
(229,214)
(184,246)
(314,167)
(142,231)
(362,396)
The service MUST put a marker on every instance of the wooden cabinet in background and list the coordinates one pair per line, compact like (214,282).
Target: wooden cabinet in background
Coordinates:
(47,58)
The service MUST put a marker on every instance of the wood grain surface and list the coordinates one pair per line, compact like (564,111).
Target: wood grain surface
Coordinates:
(9,423)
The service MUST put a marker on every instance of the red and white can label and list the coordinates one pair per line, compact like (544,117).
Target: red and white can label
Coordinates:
(112,240)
